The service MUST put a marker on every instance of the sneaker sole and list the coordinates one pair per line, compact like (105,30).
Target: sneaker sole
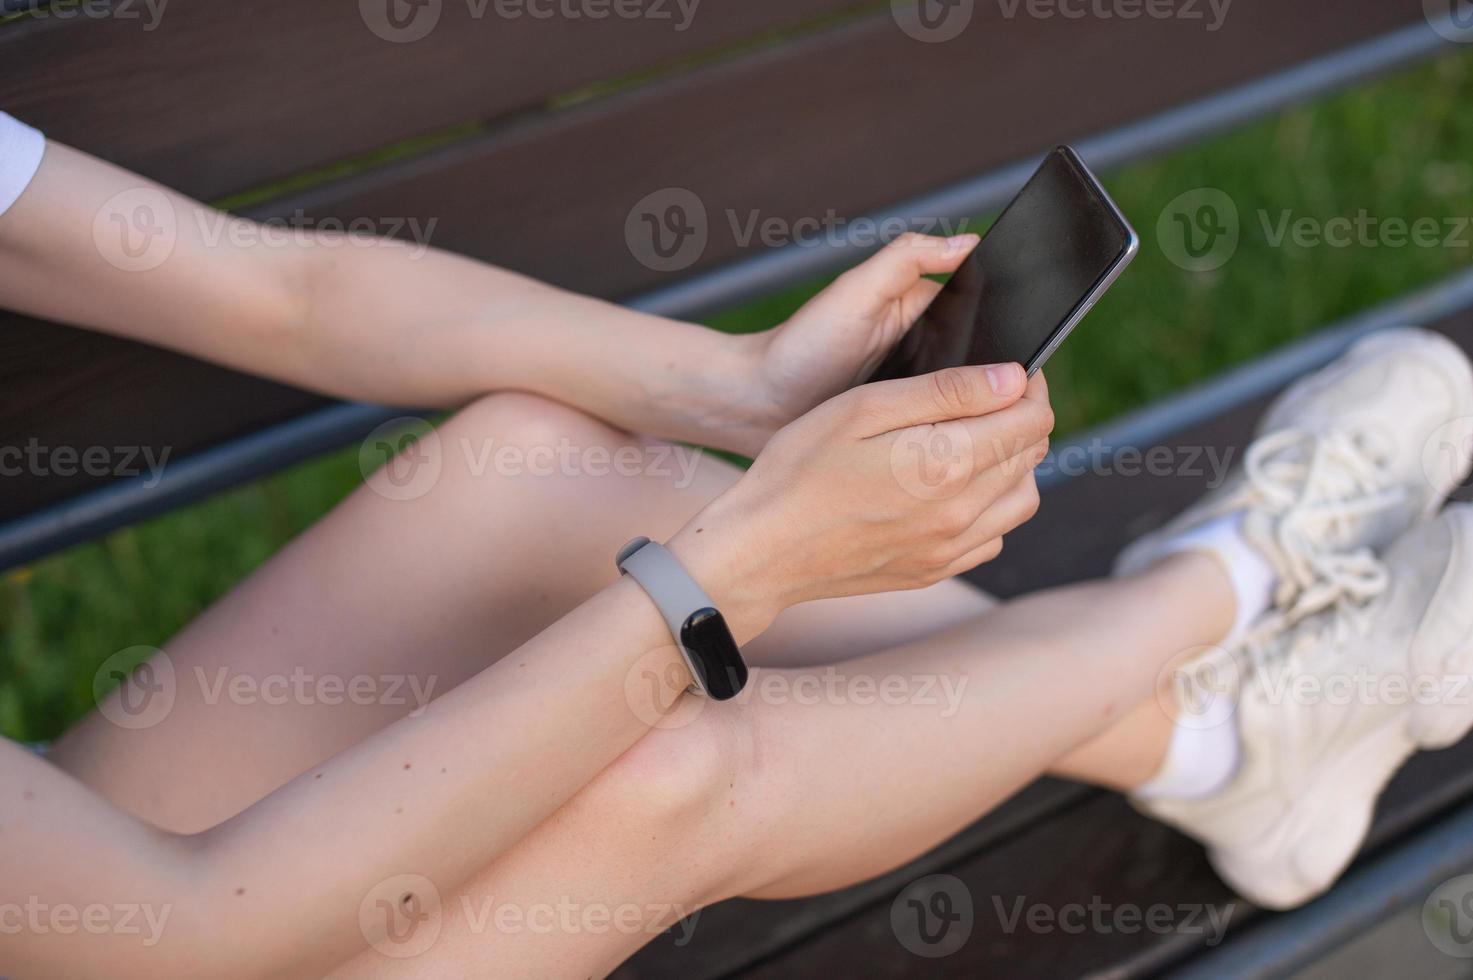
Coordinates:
(1447,720)
(1306,852)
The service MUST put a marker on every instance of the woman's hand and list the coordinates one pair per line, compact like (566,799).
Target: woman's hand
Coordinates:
(840,336)
(893,485)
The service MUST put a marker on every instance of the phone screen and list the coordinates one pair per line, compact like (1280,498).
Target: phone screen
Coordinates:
(1035,273)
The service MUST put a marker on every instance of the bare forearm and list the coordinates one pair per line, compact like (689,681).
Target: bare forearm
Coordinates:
(354,317)
(436,329)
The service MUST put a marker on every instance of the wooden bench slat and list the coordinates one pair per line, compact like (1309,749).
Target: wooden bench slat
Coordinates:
(819,107)
(820,125)
(318,86)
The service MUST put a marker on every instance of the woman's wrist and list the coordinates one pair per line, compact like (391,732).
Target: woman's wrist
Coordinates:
(718,548)
(724,395)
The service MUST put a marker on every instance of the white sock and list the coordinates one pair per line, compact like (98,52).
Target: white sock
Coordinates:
(1200,760)
(1251,574)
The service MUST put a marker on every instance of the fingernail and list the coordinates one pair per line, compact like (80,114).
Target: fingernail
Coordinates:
(1004,378)
(957,243)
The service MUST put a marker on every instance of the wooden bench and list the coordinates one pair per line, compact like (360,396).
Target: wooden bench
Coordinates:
(517,136)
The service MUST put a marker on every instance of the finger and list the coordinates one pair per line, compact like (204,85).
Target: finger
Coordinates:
(916,299)
(953,393)
(980,555)
(899,265)
(1014,508)
(1037,387)
(1002,438)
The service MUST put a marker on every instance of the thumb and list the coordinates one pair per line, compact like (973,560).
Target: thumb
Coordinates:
(952,393)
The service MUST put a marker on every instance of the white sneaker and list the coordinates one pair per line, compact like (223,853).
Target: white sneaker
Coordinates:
(1328,710)
(1344,462)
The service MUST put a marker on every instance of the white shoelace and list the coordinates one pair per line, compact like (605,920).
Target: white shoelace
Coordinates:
(1315,485)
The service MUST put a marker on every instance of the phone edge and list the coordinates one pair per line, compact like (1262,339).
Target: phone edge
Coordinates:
(1132,248)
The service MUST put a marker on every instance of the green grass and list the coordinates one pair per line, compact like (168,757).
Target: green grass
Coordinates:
(1399,148)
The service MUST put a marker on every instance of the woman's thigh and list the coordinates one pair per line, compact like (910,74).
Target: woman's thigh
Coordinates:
(418,580)
(403,591)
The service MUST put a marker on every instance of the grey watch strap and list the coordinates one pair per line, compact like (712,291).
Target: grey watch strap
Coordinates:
(669,585)
(701,634)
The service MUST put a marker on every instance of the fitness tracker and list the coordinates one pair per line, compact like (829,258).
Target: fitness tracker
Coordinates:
(702,635)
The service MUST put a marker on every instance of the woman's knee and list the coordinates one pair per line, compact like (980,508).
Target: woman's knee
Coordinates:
(698,794)
(551,453)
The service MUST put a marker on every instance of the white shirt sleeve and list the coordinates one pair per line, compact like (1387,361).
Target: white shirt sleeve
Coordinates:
(21,148)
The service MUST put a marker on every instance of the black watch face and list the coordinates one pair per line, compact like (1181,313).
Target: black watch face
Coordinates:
(714,655)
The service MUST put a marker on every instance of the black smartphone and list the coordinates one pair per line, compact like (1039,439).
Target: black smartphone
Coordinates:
(1042,265)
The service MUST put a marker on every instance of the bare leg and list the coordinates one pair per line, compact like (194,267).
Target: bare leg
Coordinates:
(414,596)
(724,805)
